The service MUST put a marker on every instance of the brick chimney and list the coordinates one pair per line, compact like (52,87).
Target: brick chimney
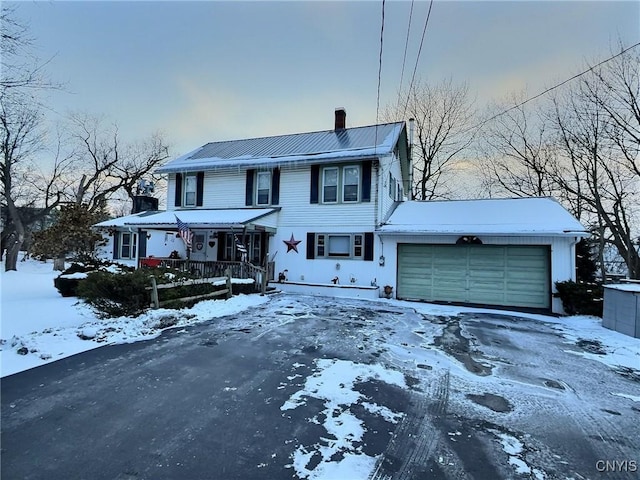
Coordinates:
(341,118)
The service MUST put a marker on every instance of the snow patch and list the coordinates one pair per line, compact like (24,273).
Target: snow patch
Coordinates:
(49,327)
(633,398)
(333,383)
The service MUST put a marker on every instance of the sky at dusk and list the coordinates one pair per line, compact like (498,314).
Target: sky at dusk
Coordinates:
(208,71)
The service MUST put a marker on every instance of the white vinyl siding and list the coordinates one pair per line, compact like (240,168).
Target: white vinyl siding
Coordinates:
(226,188)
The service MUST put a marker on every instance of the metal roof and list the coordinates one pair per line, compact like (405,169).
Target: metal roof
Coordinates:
(225,217)
(533,216)
(346,143)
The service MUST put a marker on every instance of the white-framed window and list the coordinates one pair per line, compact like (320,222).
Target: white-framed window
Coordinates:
(190,189)
(263,188)
(330,185)
(340,245)
(350,183)
(128,245)
(345,180)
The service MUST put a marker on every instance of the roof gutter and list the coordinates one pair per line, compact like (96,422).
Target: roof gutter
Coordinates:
(210,164)
(405,233)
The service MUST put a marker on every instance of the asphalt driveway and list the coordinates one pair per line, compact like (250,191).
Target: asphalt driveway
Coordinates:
(474,395)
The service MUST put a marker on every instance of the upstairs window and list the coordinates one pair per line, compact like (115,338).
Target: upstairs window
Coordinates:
(263,188)
(341,184)
(350,183)
(330,185)
(190,189)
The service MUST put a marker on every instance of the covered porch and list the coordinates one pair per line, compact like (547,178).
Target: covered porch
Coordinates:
(237,239)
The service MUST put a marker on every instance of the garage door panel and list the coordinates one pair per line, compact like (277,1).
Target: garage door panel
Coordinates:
(485,274)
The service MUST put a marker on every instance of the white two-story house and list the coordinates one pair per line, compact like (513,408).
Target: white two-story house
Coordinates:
(328,211)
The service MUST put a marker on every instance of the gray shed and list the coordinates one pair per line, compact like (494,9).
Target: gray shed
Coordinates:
(622,309)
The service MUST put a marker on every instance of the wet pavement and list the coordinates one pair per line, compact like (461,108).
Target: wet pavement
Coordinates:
(476,395)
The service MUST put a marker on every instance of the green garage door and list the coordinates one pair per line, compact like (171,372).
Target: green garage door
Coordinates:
(482,274)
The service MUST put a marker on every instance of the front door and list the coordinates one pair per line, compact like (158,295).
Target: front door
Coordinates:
(199,246)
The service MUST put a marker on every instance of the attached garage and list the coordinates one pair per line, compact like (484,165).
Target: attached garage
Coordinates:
(512,275)
(498,252)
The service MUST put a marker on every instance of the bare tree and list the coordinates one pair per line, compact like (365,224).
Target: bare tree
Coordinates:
(106,165)
(443,114)
(518,151)
(20,68)
(21,134)
(597,124)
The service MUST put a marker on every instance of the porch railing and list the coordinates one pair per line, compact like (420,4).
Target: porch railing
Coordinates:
(208,269)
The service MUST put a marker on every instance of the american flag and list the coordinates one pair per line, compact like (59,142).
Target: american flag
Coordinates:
(239,246)
(184,232)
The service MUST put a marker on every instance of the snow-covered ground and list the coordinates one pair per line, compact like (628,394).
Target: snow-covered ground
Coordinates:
(44,326)
(50,327)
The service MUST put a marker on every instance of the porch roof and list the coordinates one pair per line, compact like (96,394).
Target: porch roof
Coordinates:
(211,218)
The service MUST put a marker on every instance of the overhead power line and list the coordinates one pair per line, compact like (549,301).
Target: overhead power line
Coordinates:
(530,99)
(380,63)
(404,58)
(379,75)
(415,68)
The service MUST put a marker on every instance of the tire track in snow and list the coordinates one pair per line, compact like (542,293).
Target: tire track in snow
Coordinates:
(415,439)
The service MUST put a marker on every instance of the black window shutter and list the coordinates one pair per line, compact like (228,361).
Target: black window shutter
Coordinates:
(249,187)
(315,181)
(311,245)
(199,188)
(366,181)
(116,245)
(142,244)
(222,236)
(178,201)
(368,246)
(275,186)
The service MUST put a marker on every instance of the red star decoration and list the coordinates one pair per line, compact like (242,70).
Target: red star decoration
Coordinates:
(292,244)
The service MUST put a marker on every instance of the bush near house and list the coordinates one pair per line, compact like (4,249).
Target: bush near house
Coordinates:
(581,298)
(126,294)
(67,282)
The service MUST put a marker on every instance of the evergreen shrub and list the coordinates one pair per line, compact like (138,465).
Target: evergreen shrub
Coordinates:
(127,294)
(581,298)
(68,286)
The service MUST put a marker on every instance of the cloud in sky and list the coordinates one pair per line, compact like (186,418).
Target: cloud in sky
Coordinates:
(207,71)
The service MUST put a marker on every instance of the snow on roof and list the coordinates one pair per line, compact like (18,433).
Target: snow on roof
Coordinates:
(626,287)
(193,218)
(512,216)
(121,221)
(311,147)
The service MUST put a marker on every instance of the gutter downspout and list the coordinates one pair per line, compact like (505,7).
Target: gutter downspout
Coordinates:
(411,129)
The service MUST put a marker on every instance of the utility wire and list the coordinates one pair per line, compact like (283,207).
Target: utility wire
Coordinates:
(404,58)
(379,75)
(555,86)
(380,63)
(415,68)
